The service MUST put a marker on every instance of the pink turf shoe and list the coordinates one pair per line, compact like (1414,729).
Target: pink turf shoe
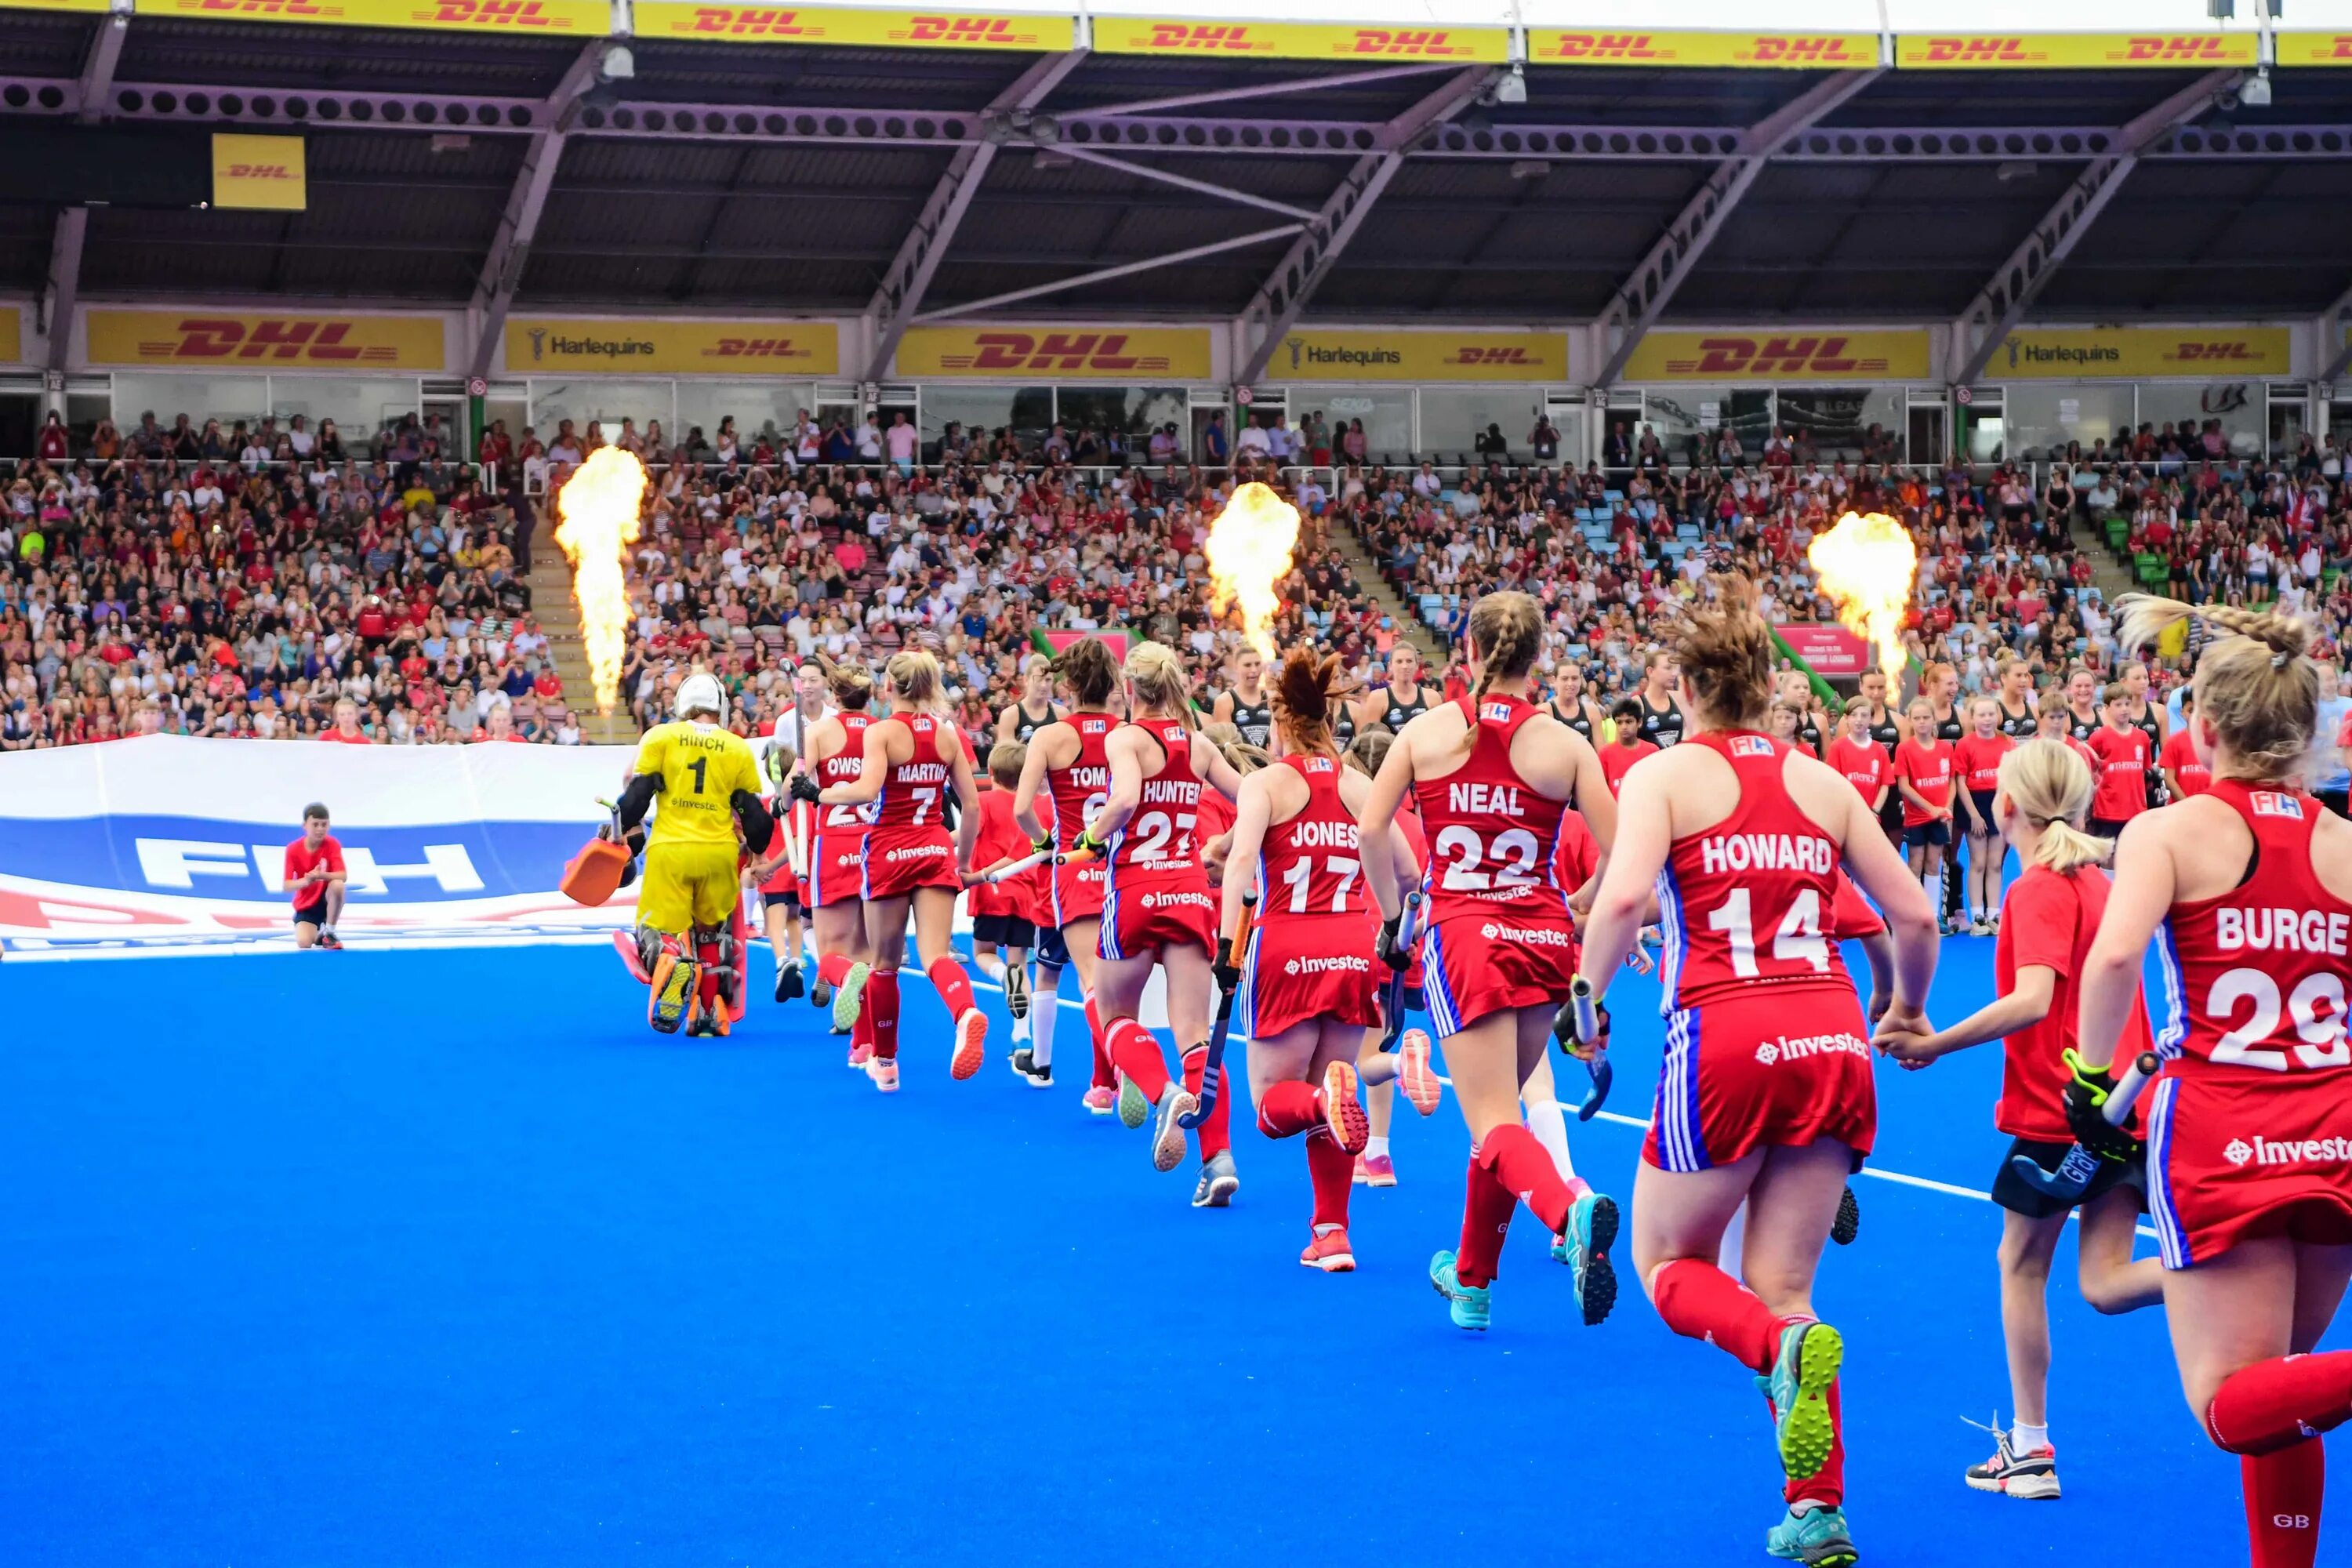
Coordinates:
(1380,1170)
(1416,1074)
(1329,1252)
(1100,1100)
(1343,1113)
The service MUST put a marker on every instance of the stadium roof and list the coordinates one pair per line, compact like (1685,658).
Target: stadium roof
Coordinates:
(457,165)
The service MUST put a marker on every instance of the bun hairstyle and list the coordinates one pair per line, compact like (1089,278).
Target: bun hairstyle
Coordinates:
(1302,702)
(851,686)
(2255,684)
(1090,671)
(2051,785)
(914,676)
(1244,758)
(1159,678)
(1369,750)
(1726,652)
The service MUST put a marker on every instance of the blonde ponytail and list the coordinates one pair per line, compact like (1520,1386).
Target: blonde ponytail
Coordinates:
(2256,685)
(2051,783)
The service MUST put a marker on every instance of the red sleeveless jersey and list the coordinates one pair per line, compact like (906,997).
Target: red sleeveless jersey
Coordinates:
(1073,794)
(1310,864)
(911,794)
(1491,835)
(1750,901)
(843,767)
(1163,835)
(2255,977)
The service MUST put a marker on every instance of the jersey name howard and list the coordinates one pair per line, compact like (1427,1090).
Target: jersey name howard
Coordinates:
(1767,852)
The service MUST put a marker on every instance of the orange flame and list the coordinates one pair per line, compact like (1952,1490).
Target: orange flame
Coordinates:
(1249,551)
(599,506)
(1867,565)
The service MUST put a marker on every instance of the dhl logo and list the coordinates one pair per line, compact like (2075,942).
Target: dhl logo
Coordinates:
(490,14)
(1054,351)
(1416,42)
(2212,352)
(297,9)
(995,32)
(2192,50)
(747,22)
(1773,356)
(1805,51)
(1979,52)
(1606,46)
(1471,353)
(1210,37)
(258,172)
(2335,46)
(756,348)
(320,341)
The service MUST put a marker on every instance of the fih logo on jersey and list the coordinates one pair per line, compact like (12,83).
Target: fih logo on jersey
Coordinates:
(1499,712)
(1750,746)
(2270,803)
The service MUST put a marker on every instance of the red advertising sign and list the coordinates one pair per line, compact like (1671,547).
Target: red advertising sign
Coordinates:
(1051,643)
(1831,649)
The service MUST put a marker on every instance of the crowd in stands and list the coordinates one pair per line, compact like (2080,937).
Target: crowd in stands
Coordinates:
(255,581)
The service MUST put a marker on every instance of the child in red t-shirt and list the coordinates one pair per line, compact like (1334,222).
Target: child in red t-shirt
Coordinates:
(1978,755)
(2124,755)
(1861,760)
(1925,768)
(315,877)
(1626,747)
(2185,772)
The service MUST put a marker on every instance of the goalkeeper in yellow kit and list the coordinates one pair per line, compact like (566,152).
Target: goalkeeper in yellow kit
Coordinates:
(707,782)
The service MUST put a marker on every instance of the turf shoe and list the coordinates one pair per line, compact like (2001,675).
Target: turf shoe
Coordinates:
(1797,1385)
(1415,1075)
(1848,1224)
(884,1071)
(1584,1247)
(1219,1182)
(851,996)
(1343,1112)
(1134,1110)
(1100,1100)
(331,942)
(1024,1063)
(671,996)
(1467,1304)
(1815,1534)
(2032,1475)
(971,1045)
(1380,1169)
(1016,991)
(1168,1131)
(1329,1252)
(788,981)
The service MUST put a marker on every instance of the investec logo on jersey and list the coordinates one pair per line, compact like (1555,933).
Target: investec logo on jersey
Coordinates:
(1766,852)
(208,866)
(2289,1152)
(1344,964)
(1785,1049)
(917,852)
(1096,351)
(1535,936)
(1173,900)
(1789,355)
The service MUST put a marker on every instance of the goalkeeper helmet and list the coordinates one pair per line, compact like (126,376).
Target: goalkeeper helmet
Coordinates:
(701,693)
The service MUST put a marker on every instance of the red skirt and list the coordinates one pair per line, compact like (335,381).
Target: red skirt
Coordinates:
(2238,1153)
(836,869)
(1778,1064)
(1312,966)
(1142,913)
(1477,964)
(900,860)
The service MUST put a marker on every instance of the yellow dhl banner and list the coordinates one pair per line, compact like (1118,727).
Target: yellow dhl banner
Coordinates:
(673,348)
(528,18)
(279,339)
(1815,355)
(56,5)
(868,29)
(1758,51)
(1374,355)
(12,336)
(2072,51)
(1046,355)
(264,173)
(2313,49)
(1298,40)
(2204,353)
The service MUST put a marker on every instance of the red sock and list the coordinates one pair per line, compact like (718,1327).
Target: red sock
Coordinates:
(1287,1110)
(833,968)
(2274,1404)
(1700,1302)
(1488,1206)
(881,1005)
(1524,1166)
(954,984)
(1826,1485)
(1216,1132)
(1332,1170)
(861,1033)
(1137,1055)
(2284,1489)
(1102,1078)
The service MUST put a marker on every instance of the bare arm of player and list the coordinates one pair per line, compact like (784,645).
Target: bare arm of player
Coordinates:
(1123,750)
(1219,775)
(873,770)
(2027,1004)
(1644,832)
(1355,789)
(1598,806)
(1376,823)
(1879,867)
(1878,948)
(1252,810)
(2137,904)
(1041,757)
(967,829)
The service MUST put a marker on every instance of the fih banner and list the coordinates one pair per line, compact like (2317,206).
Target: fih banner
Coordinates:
(169,841)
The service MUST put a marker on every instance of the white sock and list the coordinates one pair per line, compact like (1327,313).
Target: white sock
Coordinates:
(1376,1148)
(1549,1124)
(990,965)
(2025,1439)
(1044,1007)
(1726,1257)
(1934,882)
